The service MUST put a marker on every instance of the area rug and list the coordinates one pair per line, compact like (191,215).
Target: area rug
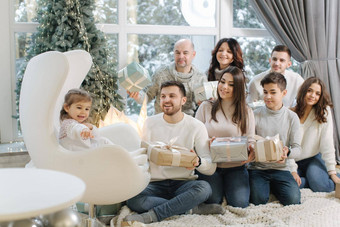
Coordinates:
(316,209)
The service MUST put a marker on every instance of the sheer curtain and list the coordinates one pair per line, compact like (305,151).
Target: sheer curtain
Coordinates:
(311,29)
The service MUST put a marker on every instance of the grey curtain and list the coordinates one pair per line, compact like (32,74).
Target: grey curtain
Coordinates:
(311,30)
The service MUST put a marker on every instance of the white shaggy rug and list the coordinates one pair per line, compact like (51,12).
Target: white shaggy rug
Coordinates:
(316,209)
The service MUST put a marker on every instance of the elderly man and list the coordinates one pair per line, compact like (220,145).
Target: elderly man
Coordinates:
(181,70)
(279,62)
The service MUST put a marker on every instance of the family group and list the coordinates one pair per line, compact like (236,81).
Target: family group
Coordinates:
(298,110)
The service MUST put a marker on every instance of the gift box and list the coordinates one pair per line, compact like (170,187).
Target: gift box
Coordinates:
(169,155)
(337,190)
(269,149)
(134,77)
(257,104)
(206,92)
(229,149)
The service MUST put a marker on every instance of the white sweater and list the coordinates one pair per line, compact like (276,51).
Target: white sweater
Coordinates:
(294,82)
(190,133)
(317,138)
(69,136)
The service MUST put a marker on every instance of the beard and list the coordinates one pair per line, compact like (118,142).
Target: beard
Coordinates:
(172,110)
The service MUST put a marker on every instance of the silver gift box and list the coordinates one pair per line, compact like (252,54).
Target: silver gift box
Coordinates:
(206,92)
(229,149)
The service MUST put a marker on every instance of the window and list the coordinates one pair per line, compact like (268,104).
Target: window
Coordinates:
(140,30)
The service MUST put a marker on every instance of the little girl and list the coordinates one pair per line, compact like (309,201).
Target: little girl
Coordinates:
(75,132)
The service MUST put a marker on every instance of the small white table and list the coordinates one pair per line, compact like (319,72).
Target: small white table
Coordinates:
(26,193)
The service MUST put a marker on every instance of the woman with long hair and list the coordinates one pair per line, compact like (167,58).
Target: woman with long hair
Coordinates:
(227,52)
(315,167)
(229,116)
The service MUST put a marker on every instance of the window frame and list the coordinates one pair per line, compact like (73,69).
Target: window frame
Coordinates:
(8,132)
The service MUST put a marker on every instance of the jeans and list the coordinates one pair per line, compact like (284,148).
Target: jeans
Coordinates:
(280,183)
(314,175)
(233,183)
(170,197)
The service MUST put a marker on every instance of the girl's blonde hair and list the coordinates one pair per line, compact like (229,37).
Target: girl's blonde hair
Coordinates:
(73,96)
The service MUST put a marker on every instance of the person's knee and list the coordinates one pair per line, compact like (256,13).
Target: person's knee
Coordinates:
(258,198)
(318,187)
(136,204)
(291,199)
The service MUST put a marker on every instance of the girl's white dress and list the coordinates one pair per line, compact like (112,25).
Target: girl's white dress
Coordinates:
(69,136)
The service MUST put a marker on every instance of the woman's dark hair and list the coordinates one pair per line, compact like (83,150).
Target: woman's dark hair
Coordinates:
(237,55)
(320,107)
(240,115)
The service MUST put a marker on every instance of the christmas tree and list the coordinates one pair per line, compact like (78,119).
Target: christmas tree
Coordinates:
(67,25)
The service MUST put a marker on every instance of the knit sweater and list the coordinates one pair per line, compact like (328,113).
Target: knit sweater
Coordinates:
(190,134)
(191,81)
(294,82)
(283,122)
(318,138)
(225,127)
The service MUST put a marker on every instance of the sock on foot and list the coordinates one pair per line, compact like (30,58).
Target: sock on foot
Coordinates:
(208,209)
(146,218)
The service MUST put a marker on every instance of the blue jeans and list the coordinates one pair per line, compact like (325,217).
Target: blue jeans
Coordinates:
(280,183)
(170,197)
(314,175)
(233,183)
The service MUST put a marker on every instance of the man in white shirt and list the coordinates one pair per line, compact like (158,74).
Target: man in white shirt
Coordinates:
(279,62)
(174,190)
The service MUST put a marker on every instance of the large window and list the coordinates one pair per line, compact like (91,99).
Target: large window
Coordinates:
(139,30)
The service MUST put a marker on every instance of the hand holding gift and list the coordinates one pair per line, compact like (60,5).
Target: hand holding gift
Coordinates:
(195,163)
(251,155)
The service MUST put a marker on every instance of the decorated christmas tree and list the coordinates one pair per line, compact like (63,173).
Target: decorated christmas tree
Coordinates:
(67,25)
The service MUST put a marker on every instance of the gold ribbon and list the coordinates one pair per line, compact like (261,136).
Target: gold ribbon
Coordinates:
(176,159)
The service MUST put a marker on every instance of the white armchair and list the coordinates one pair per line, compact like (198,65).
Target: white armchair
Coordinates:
(110,173)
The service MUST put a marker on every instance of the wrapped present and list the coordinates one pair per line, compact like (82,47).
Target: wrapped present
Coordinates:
(229,149)
(134,77)
(337,190)
(169,155)
(206,92)
(269,149)
(257,104)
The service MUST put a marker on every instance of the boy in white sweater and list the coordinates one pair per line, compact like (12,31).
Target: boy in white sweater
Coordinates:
(272,119)
(174,190)
(279,62)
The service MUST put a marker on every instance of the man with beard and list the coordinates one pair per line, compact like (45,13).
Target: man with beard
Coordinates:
(279,62)
(174,190)
(180,70)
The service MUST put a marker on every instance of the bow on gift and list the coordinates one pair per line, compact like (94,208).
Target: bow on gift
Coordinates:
(176,150)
